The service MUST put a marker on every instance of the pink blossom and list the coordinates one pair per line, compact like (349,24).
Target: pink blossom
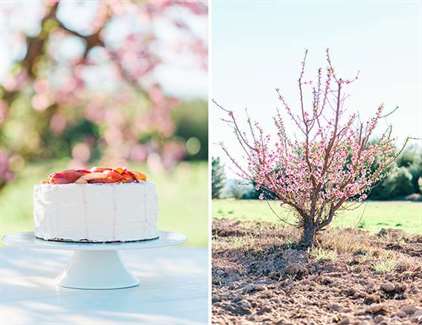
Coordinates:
(332,160)
(58,123)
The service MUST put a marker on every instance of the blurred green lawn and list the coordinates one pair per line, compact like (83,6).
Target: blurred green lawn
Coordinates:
(371,215)
(182,194)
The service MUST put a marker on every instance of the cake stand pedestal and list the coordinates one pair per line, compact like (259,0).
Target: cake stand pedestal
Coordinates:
(94,265)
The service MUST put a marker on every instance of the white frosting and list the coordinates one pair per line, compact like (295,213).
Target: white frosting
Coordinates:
(96,212)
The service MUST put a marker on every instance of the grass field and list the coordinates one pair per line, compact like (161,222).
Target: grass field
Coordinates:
(182,197)
(371,215)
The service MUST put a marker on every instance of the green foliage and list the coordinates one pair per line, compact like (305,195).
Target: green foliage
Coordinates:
(402,182)
(250,192)
(80,130)
(255,193)
(29,135)
(407,158)
(244,190)
(416,170)
(191,120)
(402,178)
(218,177)
(239,189)
(396,185)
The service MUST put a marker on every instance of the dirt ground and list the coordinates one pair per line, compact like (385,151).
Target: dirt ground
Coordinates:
(352,277)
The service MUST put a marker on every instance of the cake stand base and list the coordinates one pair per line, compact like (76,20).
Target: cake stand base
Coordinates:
(96,270)
(95,265)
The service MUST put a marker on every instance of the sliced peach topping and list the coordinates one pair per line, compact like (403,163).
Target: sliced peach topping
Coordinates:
(66,176)
(96,175)
(91,177)
(128,176)
(120,170)
(140,177)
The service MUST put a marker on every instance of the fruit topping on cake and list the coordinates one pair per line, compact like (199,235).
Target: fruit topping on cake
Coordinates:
(96,175)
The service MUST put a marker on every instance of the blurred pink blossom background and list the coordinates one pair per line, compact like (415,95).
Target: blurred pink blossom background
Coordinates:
(82,80)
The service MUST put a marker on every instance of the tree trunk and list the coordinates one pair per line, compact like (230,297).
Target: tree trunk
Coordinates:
(308,236)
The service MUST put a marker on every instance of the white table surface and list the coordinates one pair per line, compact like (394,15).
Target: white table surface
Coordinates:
(173,289)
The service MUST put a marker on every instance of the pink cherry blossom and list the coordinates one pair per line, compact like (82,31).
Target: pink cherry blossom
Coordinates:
(332,162)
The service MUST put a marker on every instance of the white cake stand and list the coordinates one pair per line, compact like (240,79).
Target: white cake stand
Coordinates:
(94,266)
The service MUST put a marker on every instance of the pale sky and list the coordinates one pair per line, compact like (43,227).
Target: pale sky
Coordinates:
(257,46)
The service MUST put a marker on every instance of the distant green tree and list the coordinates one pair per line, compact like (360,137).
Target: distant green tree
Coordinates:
(218,177)
(415,169)
(191,121)
(401,178)
(402,182)
(396,185)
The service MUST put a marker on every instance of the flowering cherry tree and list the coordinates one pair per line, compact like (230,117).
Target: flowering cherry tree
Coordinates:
(332,160)
(102,70)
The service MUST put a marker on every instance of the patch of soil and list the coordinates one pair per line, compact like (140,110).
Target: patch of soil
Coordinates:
(259,277)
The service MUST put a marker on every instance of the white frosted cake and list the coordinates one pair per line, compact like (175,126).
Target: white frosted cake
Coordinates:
(103,211)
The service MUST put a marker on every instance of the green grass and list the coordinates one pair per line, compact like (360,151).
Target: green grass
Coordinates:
(371,215)
(182,197)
